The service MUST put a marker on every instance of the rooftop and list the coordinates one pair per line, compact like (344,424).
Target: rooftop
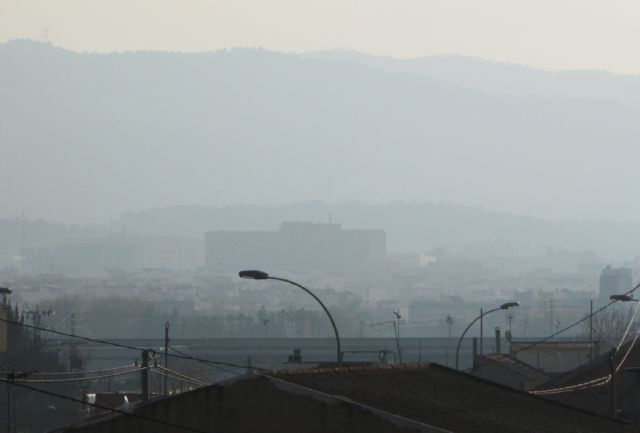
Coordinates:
(445,398)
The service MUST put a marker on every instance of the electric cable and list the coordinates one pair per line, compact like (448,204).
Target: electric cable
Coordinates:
(78,379)
(123,346)
(99,406)
(555,334)
(175,375)
(602,380)
(205,362)
(71,373)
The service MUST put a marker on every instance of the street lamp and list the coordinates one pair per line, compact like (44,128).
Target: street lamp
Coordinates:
(623,298)
(4,291)
(504,306)
(259,275)
(612,354)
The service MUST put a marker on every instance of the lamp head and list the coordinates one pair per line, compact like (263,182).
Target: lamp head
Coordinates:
(508,305)
(254,275)
(622,298)
(5,291)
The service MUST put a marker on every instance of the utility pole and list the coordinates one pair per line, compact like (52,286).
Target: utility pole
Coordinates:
(8,385)
(36,319)
(396,325)
(75,362)
(554,314)
(449,323)
(265,322)
(612,372)
(481,329)
(166,354)
(591,330)
(145,375)
(11,416)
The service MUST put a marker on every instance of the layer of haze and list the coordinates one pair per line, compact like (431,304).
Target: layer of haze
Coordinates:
(85,137)
(549,34)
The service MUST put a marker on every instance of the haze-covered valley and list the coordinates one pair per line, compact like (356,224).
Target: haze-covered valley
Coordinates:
(487,180)
(86,137)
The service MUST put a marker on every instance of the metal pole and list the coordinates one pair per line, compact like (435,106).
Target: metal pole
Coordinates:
(481,329)
(333,324)
(591,330)
(145,375)
(612,372)
(8,385)
(395,329)
(166,354)
(465,331)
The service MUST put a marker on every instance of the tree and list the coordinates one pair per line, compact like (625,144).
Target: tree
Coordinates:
(610,325)
(27,353)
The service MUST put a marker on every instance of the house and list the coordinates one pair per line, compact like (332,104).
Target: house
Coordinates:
(378,398)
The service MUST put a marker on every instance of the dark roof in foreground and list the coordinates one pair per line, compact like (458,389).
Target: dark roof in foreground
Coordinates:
(445,398)
(533,374)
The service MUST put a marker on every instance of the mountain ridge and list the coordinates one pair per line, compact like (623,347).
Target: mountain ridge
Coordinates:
(87,136)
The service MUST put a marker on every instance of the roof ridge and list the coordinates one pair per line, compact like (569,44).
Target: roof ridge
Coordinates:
(349,368)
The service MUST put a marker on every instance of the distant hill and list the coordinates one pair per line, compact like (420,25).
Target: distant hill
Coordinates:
(411,227)
(505,78)
(84,137)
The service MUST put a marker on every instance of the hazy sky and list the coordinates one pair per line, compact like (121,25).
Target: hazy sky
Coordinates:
(551,34)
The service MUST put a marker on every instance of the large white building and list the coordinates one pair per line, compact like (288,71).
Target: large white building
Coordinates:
(296,247)
(615,281)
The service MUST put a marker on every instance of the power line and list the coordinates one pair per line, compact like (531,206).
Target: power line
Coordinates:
(602,380)
(204,361)
(78,379)
(176,375)
(71,373)
(123,346)
(555,334)
(99,406)
(178,378)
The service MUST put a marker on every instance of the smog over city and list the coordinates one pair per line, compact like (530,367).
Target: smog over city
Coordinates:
(215,191)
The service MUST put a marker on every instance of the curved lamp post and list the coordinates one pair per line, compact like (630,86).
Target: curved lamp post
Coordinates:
(259,275)
(612,354)
(623,298)
(504,306)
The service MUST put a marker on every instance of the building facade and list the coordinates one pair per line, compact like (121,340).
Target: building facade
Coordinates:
(296,246)
(614,281)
